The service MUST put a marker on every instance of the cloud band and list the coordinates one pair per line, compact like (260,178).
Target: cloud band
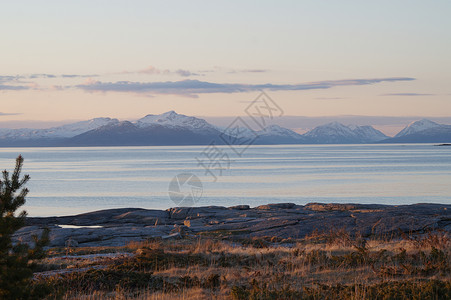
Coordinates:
(194,87)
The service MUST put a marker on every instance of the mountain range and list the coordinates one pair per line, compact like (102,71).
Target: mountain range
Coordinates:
(171,128)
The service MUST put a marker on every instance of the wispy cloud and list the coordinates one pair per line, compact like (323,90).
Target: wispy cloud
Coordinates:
(8,78)
(248,71)
(8,114)
(4,87)
(78,76)
(255,71)
(194,87)
(407,94)
(34,76)
(14,83)
(185,73)
(330,98)
(27,81)
(151,70)
(22,77)
(189,88)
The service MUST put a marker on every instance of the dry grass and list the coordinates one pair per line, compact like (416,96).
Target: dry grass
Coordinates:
(323,265)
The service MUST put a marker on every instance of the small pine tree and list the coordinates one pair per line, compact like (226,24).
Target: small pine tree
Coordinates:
(16,259)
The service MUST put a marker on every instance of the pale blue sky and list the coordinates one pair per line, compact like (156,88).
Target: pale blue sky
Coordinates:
(229,42)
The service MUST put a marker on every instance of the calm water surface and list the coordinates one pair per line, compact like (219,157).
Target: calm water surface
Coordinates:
(73,180)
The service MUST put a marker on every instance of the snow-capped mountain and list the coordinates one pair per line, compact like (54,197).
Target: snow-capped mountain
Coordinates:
(172,119)
(74,129)
(337,133)
(171,128)
(276,130)
(274,134)
(417,126)
(65,131)
(331,133)
(367,134)
(126,133)
(423,131)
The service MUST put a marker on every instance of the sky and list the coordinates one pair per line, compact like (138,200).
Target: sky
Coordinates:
(75,60)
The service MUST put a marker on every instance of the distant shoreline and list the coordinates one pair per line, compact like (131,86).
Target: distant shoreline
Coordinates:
(206,144)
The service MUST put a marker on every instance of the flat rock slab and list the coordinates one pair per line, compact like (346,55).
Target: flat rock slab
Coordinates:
(118,227)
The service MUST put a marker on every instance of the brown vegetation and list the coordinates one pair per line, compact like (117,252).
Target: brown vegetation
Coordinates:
(327,265)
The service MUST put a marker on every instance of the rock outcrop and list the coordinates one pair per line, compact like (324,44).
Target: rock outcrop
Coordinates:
(118,227)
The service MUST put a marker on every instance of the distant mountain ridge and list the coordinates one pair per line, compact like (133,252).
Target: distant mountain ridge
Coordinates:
(171,128)
(126,133)
(337,133)
(417,126)
(422,131)
(172,119)
(64,131)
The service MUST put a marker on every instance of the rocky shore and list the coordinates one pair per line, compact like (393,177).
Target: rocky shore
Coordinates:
(118,227)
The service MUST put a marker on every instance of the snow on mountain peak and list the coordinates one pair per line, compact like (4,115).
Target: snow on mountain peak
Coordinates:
(173,119)
(417,126)
(336,132)
(330,129)
(368,133)
(64,131)
(279,131)
(171,115)
(74,129)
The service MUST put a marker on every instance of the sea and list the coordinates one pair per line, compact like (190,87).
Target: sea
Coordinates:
(66,181)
